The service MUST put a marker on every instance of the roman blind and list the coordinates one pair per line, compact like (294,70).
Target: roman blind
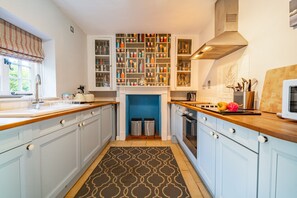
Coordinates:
(18,43)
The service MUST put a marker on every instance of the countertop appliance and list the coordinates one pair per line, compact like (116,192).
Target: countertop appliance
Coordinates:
(289,100)
(191,96)
(190,130)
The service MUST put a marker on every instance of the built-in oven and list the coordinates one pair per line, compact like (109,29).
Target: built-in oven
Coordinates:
(190,130)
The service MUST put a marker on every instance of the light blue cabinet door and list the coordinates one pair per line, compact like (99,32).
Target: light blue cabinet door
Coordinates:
(206,156)
(90,138)
(57,158)
(277,169)
(236,170)
(107,123)
(15,173)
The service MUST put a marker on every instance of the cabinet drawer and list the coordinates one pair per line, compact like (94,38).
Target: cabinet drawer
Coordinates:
(15,137)
(91,113)
(207,120)
(48,126)
(242,135)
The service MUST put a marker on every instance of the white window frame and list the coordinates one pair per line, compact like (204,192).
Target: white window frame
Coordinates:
(4,76)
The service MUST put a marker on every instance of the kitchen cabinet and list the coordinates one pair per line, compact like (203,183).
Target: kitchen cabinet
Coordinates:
(57,160)
(206,157)
(101,69)
(185,71)
(236,169)
(16,164)
(107,123)
(277,168)
(227,158)
(179,122)
(90,136)
(143,59)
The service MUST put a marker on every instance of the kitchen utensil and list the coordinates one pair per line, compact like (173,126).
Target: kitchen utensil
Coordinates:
(239,86)
(231,87)
(249,85)
(244,84)
(254,83)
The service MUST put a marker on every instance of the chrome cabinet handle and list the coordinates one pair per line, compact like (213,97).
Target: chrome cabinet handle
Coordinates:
(92,113)
(30,147)
(212,133)
(216,136)
(204,118)
(62,122)
(232,130)
(262,139)
(79,124)
(83,123)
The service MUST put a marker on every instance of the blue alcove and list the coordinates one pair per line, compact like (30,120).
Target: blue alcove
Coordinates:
(143,106)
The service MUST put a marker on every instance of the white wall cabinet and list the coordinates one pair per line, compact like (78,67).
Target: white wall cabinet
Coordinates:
(101,63)
(107,123)
(184,70)
(277,168)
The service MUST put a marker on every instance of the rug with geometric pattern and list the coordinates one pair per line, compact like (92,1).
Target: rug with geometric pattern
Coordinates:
(136,172)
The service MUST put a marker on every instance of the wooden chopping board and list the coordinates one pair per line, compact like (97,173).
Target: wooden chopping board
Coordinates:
(271,100)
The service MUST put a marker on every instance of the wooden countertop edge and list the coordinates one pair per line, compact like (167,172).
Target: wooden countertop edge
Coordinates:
(53,115)
(266,123)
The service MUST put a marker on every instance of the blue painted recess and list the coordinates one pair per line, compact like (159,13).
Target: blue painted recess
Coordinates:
(143,106)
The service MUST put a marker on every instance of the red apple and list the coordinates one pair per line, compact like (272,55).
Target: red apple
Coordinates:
(232,106)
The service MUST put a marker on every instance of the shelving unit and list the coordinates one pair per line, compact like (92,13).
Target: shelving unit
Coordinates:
(183,70)
(143,59)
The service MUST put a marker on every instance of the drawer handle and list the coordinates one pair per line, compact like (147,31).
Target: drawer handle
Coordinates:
(212,133)
(216,136)
(262,139)
(62,122)
(83,123)
(92,112)
(204,118)
(79,124)
(30,147)
(232,130)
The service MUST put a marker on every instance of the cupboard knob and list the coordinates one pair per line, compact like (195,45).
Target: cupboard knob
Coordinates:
(262,139)
(92,113)
(204,118)
(216,136)
(212,133)
(232,130)
(79,124)
(62,122)
(83,123)
(30,147)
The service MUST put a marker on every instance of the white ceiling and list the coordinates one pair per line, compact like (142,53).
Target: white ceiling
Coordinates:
(138,16)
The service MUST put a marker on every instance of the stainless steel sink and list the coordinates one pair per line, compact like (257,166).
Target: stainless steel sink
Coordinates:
(43,110)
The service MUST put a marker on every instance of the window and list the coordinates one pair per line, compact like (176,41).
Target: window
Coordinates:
(17,76)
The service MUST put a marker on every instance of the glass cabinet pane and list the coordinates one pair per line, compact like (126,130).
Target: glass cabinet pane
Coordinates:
(102,63)
(184,46)
(183,67)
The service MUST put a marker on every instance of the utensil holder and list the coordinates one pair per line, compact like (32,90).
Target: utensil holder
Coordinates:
(245,99)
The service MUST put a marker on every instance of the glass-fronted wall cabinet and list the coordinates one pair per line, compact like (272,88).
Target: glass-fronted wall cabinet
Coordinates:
(143,59)
(100,63)
(185,71)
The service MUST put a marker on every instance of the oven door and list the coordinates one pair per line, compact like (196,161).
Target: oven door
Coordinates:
(190,133)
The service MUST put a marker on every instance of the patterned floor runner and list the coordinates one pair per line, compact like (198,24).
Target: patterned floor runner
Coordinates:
(136,172)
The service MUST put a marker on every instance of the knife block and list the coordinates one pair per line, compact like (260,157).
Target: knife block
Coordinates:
(245,99)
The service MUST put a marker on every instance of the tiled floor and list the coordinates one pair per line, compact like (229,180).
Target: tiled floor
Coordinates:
(193,182)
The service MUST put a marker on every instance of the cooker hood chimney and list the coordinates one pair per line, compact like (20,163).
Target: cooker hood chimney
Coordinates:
(227,38)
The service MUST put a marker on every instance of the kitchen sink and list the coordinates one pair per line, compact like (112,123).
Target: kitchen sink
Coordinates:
(43,110)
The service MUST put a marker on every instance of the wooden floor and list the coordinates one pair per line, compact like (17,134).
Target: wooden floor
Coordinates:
(193,182)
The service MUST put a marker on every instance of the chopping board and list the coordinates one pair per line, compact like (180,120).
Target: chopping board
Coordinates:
(271,100)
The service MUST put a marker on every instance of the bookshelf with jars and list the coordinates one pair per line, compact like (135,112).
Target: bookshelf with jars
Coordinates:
(143,59)
(185,68)
(100,61)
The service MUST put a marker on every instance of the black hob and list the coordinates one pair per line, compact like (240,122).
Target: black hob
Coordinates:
(213,108)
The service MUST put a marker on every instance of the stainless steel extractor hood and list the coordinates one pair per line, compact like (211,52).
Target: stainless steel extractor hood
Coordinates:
(227,38)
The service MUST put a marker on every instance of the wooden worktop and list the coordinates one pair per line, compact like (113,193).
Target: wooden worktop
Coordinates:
(266,123)
(7,123)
